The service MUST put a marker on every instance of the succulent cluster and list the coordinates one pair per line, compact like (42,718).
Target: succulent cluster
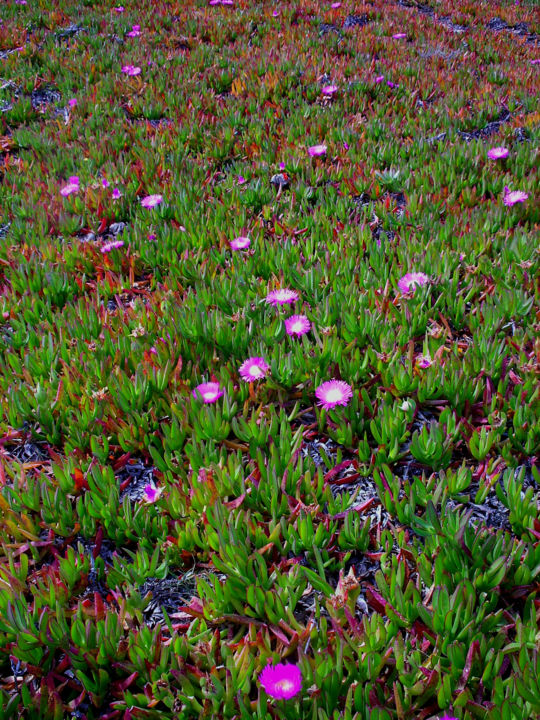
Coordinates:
(269,348)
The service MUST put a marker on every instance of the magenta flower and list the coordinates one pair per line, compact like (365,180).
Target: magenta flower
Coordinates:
(71,187)
(151,493)
(72,102)
(379,78)
(210,392)
(511,197)
(391,84)
(116,194)
(134,32)
(536,61)
(131,70)
(113,245)
(335,5)
(105,183)
(151,201)
(329,90)
(281,681)
(297,325)
(275,13)
(409,281)
(424,361)
(240,243)
(282,166)
(332,393)
(241,180)
(119,9)
(317,150)
(399,36)
(281,296)
(253,368)
(152,237)
(498,153)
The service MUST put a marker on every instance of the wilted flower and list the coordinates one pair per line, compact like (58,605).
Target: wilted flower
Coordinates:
(113,245)
(317,150)
(329,90)
(151,493)
(332,393)
(281,681)
(253,368)
(131,69)
(498,153)
(297,325)
(240,243)
(409,281)
(151,201)
(210,392)
(511,197)
(281,296)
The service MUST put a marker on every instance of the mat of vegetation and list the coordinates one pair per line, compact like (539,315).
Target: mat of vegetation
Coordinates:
(269,352)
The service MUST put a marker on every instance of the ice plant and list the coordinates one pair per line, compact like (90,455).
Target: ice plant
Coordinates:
(332,393)
(399,36)
(511,197)
(116,194)
(282,681)
(281,296)
(498,153)
(329,90)
(241,179)
(379,78)
(72,102)
(210,392)
(297,325)
(151,201)
(71,187)
(105,183)
(317,150)
(135,31)
(409,281)
(240,243)
(151,493)
(113,245)
(254,368)
(131,70)
(424,361)
(119,9)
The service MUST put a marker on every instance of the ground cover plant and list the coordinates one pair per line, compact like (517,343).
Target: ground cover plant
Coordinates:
(269,401)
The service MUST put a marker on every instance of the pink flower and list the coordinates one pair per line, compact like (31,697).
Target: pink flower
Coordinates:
(281,296)
(335,5)
(282,166)
(399,36)
(498,153)
(151,201)
(135,31)
(332,393)
(281,681)
(131,70)
(297,325)
(317,150)
(71,187)
(536,61)
(113,245)
(151,493)
(276,13)
(409,281)
(329,90)
(105,183)
(511,197)
(152,237)
(210,392)
(253,368)
(346,145)
(119,9)
(391,84)
(240,243)
(116,194)
(72,102)
(241,180)
(424,361)
(379,78)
